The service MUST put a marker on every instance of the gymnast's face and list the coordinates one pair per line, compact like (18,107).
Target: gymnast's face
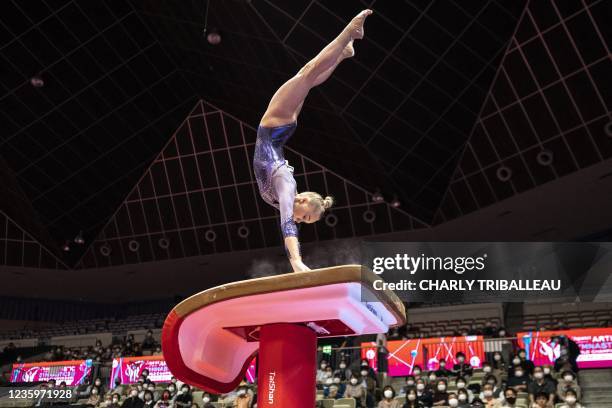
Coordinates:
(303,211)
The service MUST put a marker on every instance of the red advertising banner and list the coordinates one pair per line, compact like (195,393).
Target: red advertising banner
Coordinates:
(404,355)
(73,372)
(129,369)
(595,346)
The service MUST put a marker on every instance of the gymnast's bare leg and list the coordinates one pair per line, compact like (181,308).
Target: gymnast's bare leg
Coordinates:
(287,102)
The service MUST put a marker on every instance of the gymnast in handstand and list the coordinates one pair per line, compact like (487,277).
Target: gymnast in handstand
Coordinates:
(273,173)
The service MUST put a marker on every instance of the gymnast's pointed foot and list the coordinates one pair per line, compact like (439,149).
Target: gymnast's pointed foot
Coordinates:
(356,24)
(348,51)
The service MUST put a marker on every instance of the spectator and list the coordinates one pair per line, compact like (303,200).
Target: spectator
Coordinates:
(98,384)
(540,385)
(516,362)
(108,400)
(94,398)
(410,384)
(527,364)
(321,372)
(453,401)
(569,353)
(115,397)
(388,400)
(207,401)
(509,398)
(548,375)
(566,383)
(149,341)
(184,399)
(335,390)
(487,369)
(148,399)
(462,369)
(432,377)
(518,379)
(133,400)
(151,387)
(488,398)
(571,400)
(463,395)
(118,386)
(442,371)
(369,381)
(356,389)
(498,362)
(541,401)
(440,396)
(462,385)
(412,400)
(492,381)
(343,371)
(417,371)
(243,398)
(165,401)
(424,392)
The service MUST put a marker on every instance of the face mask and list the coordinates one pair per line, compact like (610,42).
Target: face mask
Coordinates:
(353,381)
(336,380)
(184,390)
(420,386)
(115,400)
(171,389)
(241,392)
(487,393)
(364,363)
(511,400)
(134,393)
(486,369)
(363,373)
(409,382)
(497,357)
(460,385)
(502,333)
(546,370)
(411,397)
(388,394)
(462,397)
(441,387)
(539,375)
(522,355)
(568,378)
(518,373)
(329,381)
(460,359)
(94,392)
(97,382)
(417,372)
(342,366)
(442,364)
(432,377)
(323,366)
(453,402)
(206,400)
(515,361)
(570,400)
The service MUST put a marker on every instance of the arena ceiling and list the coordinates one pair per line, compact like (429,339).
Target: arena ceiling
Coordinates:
(447,105)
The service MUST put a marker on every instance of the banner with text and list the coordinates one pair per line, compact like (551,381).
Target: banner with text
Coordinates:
(129,369)
(73,372)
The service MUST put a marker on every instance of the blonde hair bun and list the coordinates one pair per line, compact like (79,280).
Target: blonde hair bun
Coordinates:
(328,202)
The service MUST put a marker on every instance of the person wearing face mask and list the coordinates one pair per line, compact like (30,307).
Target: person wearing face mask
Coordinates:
(108,399)
(356,389)
(571,400)
(133,401)
(443,371)
(424,394)
(148,399)
(94,398)
(499,363)
(322,372)
(370,383)
(410,384)
(462,369)
(207,401)
(388,400)
(343,371)
(156,394)
(440,396)
(115,397)
(566,383)
(412,400)
(569,353)
(518,379)
(488,398)
(100,386)
(527,364)
(336,386)
(540,385)
(243,398)
(492,381)
(548,375)
(184,399)
(453,401)
(463,396)
(462,383)
(417,372)
(432,377)
(488,370)
(509,398)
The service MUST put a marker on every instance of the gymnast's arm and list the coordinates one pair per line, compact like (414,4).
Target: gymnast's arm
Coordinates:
(285,190)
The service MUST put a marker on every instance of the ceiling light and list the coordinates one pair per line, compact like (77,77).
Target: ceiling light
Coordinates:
(377,197)
(504,173)
(395,203)
(213,36)
(66,247)
(79,238)
(37,82)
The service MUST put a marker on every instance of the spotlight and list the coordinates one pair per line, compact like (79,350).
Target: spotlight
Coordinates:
(105,250)
(396,202)
(133,245)
(504,173)
(369,216)
(545,158)
(213,36)
(163,243)
(37,82)
(331,220)
(79,238)
(66,246)
(243,231)
(377,197)
(210,235)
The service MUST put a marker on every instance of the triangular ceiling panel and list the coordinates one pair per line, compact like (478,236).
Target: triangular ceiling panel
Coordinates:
(199,197)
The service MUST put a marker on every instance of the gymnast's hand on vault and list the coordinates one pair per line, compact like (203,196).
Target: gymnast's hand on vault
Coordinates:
(299,266)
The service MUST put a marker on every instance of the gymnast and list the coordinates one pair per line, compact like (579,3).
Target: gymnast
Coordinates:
(273,173)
